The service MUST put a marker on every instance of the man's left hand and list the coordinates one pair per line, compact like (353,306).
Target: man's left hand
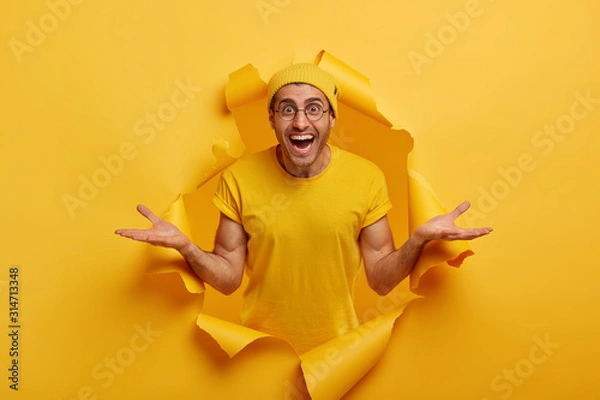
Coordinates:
(442,227)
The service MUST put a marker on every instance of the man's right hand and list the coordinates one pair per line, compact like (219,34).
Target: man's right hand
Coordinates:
(162,233)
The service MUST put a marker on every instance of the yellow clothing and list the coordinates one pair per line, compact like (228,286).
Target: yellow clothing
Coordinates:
(303,255)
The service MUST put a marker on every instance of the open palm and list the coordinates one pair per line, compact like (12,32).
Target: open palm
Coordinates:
(162,233)
(443,227)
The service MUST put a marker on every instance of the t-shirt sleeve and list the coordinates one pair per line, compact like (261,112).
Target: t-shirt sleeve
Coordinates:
(379,199)
(227,197)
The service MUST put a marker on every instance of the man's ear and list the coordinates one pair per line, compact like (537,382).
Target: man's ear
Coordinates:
(272,118)
(331,120)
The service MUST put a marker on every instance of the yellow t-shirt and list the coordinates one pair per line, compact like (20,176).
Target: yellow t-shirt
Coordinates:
(303,255)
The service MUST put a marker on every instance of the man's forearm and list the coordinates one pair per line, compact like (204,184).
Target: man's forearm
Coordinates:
(211,268)
(394,267)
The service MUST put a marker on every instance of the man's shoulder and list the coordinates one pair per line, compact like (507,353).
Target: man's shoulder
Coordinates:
(251,163)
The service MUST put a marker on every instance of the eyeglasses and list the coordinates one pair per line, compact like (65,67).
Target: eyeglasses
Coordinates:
(313,112)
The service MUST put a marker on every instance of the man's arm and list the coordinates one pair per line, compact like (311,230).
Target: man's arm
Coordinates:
(223,268)
(386,266)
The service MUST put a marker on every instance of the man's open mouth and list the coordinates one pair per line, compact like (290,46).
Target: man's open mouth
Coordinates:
(302,143)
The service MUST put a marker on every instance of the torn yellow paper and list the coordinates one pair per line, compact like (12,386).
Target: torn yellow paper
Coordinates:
(330,370)
(231,337)
(355,87)
(254,88)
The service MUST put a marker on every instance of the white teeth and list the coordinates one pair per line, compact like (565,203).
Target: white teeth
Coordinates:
(301,137)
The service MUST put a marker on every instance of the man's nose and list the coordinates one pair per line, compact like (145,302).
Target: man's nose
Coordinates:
(300,119)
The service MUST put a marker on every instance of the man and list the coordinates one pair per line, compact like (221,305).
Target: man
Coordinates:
(303,258)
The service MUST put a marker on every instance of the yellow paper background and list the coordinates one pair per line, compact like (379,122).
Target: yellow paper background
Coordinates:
(474,110)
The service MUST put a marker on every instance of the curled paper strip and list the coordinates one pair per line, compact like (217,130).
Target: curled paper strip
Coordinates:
(231,337)
(360,129)
(355,87)
(346,359)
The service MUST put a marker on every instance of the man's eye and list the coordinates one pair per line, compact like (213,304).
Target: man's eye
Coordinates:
(314,109)
(287,110)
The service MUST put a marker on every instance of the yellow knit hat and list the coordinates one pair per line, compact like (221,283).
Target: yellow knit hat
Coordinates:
(305,73)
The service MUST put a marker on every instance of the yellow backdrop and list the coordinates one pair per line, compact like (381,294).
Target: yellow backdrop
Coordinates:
(111,104)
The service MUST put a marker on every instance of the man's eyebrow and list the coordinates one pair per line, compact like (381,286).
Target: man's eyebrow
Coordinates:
(287,100)
(307,101)
(312,100)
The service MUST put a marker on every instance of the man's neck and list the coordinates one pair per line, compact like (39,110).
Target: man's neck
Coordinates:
(309,171)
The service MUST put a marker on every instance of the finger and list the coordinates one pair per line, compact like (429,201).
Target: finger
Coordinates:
(135,234)
(145,211)
(473,233)
(462,207)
